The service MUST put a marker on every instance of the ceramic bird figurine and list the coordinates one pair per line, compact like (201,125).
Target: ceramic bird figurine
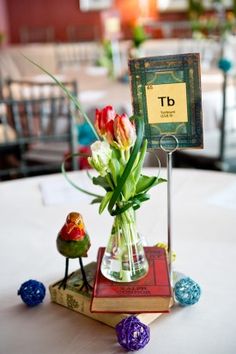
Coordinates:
(74,242)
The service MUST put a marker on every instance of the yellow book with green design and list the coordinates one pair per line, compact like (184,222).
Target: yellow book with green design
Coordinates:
(77,300)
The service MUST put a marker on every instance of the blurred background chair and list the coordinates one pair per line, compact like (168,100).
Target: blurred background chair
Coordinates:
(82,33)
(37,34)
(70,56)
(37,129)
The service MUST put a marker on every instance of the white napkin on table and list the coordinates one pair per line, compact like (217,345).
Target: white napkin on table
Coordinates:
(57,190)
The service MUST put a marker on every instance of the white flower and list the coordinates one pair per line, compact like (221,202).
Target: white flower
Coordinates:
(101,155)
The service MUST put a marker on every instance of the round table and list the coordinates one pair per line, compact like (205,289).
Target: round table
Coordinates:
(204,238)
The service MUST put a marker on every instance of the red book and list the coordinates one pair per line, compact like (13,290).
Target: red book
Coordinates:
(149,294)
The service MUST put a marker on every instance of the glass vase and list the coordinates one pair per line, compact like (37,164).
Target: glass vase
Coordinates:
(124,259)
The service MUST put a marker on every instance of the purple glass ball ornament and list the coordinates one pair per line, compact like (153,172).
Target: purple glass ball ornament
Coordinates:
(132,334)
(32,292)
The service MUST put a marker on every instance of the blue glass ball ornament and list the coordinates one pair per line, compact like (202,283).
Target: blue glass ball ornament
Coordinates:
(225,64)
(132,334)
(32,292)
(187,292)
(85,134)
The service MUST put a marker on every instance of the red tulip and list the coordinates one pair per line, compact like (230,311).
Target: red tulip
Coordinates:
(110,137)
(124,131)
(102,117)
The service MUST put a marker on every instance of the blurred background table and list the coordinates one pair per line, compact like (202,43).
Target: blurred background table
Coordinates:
(204,239)
(97,89)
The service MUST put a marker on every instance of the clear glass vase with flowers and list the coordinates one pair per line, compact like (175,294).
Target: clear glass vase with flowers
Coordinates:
(118,155)
(118,158)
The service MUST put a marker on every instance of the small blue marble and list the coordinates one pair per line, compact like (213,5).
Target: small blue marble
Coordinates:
(32,292)
(187,292)
(225,64)
(85,134)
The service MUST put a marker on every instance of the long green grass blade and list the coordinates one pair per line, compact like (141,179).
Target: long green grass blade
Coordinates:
(67,93)
(63,170)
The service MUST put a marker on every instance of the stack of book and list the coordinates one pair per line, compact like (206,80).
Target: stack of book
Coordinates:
(111,301)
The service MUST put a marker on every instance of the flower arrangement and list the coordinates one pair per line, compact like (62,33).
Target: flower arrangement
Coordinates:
(118,158)
(139,35)
(118,155)
(106,57)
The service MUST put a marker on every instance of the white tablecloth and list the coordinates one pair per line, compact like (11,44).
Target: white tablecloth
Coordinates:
(204,239)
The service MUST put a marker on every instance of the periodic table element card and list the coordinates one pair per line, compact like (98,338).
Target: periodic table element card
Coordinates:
(166,92)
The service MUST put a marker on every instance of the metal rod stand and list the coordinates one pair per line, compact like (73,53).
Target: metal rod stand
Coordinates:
(169,210)
(169,151)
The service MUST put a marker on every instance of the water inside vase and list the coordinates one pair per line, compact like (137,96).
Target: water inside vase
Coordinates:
(124,265)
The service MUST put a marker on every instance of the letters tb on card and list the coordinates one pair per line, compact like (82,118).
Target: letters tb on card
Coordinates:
(166,91)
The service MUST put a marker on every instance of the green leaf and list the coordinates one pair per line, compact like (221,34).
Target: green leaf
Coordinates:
(147,182)
(96,200)
(144,183)
(160,180)
(115,168)
(105,201)
(102,182)
(134,202)
(140,198)
(139,166)
(129,187)
(120,210)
